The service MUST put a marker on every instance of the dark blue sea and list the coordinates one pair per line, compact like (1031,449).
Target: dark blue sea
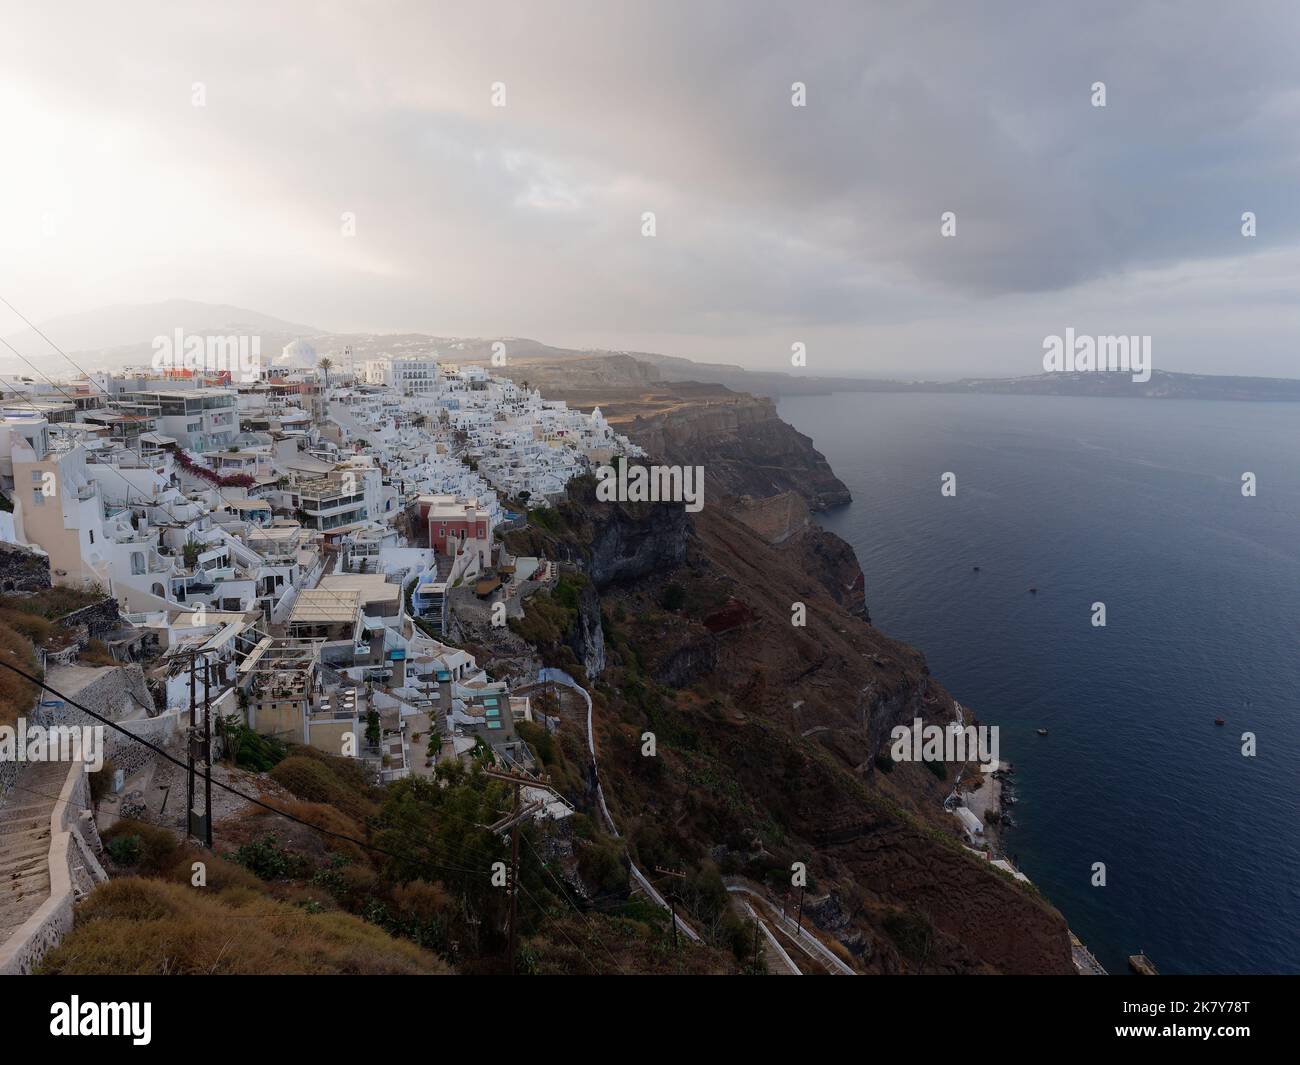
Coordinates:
(1136,504)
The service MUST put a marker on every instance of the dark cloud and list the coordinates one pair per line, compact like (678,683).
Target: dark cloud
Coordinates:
(773,221)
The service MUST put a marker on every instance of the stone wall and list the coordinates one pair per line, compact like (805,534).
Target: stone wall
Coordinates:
(8,774)
(118,693)
(131,756)
(22,569)
(99,618)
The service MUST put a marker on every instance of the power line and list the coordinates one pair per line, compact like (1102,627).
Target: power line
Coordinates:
(206,776)
(404,858)
(407,859)
(225,787)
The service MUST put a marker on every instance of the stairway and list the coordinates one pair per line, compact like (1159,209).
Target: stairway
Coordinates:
(25,842)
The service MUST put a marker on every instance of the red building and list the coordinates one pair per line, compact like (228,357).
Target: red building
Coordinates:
(456,524)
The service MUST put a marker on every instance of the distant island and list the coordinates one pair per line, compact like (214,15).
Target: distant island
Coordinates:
(1162,385)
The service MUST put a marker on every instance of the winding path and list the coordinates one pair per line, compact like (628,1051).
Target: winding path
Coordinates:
(558,676)
(808,943)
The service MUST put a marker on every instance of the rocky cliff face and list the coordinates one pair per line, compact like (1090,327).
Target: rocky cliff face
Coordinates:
(835,565)
(769,733)
(744,447)
(632,541)
(587,638)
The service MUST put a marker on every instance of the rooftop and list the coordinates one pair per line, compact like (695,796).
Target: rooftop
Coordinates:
(325,606)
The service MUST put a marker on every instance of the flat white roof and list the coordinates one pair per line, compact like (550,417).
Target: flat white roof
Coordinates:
(320,606)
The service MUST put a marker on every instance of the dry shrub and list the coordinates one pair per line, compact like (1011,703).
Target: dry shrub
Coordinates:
(40,631)
(422,900)
(17,696)
(223,876)
(354,885)
(96,653)
(330,819)
(137,926)
(318,780)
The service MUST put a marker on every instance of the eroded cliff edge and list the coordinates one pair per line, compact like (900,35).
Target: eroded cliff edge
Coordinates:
(744,446)
(770,736)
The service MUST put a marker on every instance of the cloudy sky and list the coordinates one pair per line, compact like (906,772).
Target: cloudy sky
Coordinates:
(774,223)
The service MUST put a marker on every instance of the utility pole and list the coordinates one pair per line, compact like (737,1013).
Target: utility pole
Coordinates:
(514,880)
(199,753)
(207,753)
(756,943)
(189,748)
(514,819)
(672,896)
(799,922)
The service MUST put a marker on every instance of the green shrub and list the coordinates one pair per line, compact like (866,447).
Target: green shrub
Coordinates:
(151,847)
(124,850)
(911,933)
(265,857)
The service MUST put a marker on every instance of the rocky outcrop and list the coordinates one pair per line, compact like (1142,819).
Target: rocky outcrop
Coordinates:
(587,638)
(834,563)
(744,447)
(776,518)
(633,541)
(788,721)
(688,662)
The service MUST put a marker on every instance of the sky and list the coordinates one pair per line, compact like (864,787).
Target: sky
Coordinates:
(212,151)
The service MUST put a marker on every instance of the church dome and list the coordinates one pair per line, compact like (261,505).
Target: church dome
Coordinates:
(299,355)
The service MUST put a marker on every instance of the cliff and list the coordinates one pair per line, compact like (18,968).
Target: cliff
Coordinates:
(744,447)
(769,734)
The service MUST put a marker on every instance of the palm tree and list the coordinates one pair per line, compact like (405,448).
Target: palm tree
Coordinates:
(325,365)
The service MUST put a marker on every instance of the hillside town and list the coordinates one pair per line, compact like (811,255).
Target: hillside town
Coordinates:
(299,536)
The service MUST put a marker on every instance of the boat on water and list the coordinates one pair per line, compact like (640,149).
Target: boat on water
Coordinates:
(1218,721)
(1042,732)
(1033,590)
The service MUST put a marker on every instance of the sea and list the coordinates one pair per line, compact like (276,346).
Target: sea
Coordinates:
(1137,505)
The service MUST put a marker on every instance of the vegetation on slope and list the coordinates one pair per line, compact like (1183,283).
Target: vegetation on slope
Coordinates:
(418,896)
(164,926)
(27,622)
(766,738)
